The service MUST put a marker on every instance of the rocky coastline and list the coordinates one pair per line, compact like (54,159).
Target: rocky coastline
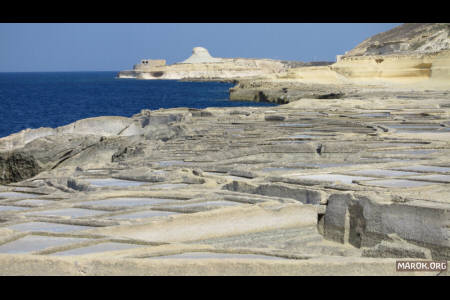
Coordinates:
(349,174)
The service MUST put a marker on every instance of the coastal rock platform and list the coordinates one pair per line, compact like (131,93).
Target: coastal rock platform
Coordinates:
(315,187)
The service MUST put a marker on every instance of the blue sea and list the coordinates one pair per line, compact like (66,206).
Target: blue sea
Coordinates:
(33,100)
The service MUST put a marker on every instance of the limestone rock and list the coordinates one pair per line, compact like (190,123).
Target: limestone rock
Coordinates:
(200,55)
(406,38)
(17,166)
(397,248)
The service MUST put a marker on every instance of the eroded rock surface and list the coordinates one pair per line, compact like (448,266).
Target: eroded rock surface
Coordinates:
(345,178)
(315,181)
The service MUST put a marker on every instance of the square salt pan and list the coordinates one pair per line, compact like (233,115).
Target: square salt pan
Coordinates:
(32,243)
(383,173)
(113,182)
(47,227)
(216,255)
(420,168)
(400,183)
(17,195)
(143,214)
(168,186)
(68,212)
(35,202)
(10,208)
(332,178)
(434,177)
(129,202)
(103,247)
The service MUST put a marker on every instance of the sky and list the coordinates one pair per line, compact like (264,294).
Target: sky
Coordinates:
(47,47)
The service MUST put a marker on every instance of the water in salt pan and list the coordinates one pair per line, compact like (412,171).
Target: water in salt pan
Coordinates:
(10,208)
(68,212)
(48,227)
(216,203)
(410,152)
(333,178)
(17,195)
(400,183)
(295,125)
(279,169)
(33,243)
(103,247)
(393,144)
(374,115)
(216,255)
(114,182)
(168,163)
(415,126)
(35,202)
(167,186)
(434,177)
(302,136)
(143,215)
(383,173)
(421,168)
(129,202)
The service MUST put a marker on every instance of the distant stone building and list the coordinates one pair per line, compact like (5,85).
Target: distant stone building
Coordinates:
(146,64)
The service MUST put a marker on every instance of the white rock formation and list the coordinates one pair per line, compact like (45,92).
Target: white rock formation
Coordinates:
(201,55)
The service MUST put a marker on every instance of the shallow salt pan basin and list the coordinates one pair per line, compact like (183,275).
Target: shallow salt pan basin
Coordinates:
(113,182)
(168,163)
(333,177)
(383,173)
(68,212)
(279,169)
(210,203)
(295,125)
(35,202)
(216,255)
(401,183)
(168,186)
(415,126)
(434,177)
(374,115)
(406,152)
(226,175)
(36,243)
(143,215)
(17,195)
(394,144)
(129,202)
(103,247)
(10,208)
(48,227)
(302,136)
(421,168)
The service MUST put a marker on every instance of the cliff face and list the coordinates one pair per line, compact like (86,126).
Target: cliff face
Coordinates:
(417,54)
(411,56)
(406,39)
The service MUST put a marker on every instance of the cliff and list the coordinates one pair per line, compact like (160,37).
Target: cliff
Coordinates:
(410,56)
(410,38)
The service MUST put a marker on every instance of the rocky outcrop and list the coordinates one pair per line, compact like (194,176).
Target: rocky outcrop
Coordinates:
(410,56)
(17,166)
(410,38)
(201,56)
(88,141)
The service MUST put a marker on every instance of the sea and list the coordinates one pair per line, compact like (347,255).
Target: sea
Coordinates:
(52,99)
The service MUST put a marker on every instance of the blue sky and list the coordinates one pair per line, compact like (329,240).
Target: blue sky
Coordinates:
(117,46)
